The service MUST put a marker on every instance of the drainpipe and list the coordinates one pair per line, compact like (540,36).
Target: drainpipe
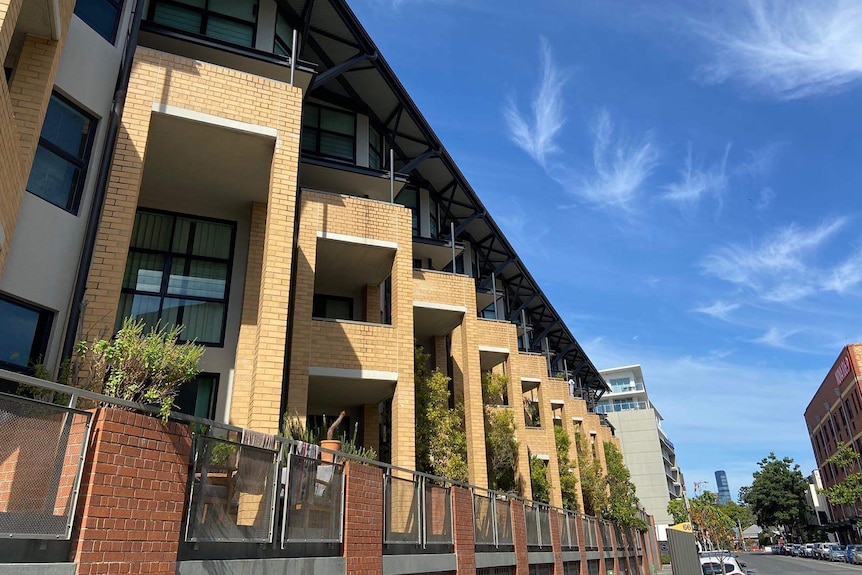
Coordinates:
(101,187)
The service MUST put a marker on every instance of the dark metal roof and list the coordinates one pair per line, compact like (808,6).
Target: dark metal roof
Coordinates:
(352,73)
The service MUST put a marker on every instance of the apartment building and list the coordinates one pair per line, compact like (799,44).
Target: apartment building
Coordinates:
(831,419)
(723,487)
(647,451)
(254,171)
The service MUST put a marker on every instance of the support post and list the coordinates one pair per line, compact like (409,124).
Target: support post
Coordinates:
(293,58)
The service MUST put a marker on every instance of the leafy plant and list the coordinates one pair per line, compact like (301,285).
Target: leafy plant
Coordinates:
(495,388)
(222,452)
(568,480)
(622,506)
(531,413)
(593,484)
(292,427)
(777,494)
(351,446)
(539,480)
(677,509)
(501,448)
(711,520)
(441,440)
(142,367)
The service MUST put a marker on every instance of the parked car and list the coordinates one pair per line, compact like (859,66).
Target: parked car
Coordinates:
(856,557)
(826,551)
(808,550)
(848,553)
(837,553)
(817,550)
(711,565)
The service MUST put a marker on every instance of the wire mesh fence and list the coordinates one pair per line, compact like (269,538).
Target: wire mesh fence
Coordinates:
(41,461)
(232,492)
(437,511)
(532,524)
(590,539)
(503,519)
(607,542)
(313,500)
(401,510)
(484,522)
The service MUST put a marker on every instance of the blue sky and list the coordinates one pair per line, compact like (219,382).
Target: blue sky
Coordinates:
(682,181)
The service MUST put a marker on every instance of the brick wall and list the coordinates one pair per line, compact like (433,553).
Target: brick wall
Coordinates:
(519,537)
(556,544)
(463,531)
(363,519)
(130,509)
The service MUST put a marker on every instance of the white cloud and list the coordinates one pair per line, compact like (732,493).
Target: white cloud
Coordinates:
(718,309)
(786,49)
(846,275)
(536,135)
(777,269)
(697,182)
(621,168)
(778,338)
(764,198)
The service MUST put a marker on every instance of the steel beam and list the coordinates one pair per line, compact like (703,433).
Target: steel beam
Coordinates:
(414,163)
(340,69)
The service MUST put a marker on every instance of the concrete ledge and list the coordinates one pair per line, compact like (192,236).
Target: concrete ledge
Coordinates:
(38,568)
(591,555)
(407,564)
(498,559)
(316,565)
(571,556)
(540,557)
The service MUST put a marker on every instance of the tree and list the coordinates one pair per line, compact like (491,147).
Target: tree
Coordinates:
(593,484)
(714,526)
(777,494)
(676,508)
(539,480)
(501,448)
(568,481)
(740,514)
(847,491)
(441,441)
(623,502)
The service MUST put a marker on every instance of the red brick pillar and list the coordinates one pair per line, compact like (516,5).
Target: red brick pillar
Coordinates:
(463,533)
(363,519)
(519,537)
(600,544)
(582,544)
(556,540)
(130,509)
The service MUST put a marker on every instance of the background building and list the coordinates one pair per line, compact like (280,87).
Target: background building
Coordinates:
(834,416)
(723,487)
(820,513)
(647,451)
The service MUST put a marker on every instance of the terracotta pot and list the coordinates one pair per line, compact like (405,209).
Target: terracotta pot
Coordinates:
(332,444)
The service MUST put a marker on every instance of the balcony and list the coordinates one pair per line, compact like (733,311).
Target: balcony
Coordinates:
(628,388)
(618,407)
(440,301)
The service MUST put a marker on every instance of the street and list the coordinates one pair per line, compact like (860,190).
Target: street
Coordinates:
(783,565)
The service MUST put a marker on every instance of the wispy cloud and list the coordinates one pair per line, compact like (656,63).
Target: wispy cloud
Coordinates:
(764,198)
(778,338)
(537,133)
(698,181)
(779,268)
(620,170)
(718,309)
(785,49)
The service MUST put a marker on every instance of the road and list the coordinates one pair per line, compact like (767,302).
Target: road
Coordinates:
(783,565)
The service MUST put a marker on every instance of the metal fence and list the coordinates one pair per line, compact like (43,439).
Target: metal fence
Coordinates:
(313,495)
(233,492)
(492,519)
(607,543)
(41,460)
(568,529)
(416,511)
(591,542)
(538,524)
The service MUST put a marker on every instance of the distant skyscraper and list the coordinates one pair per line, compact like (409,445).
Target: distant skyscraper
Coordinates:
(723,487)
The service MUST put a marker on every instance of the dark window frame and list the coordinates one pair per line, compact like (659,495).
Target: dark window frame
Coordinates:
(320,299)
(205,13)
(382,160)
(277,41)
(318,130)
(118,4)
(41,337)
(213,403)
(169,256)
(73,203)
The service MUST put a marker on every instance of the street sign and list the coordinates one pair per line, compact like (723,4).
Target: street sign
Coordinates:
(685,527)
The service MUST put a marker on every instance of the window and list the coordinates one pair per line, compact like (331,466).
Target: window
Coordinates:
(178,272)
(375,149)
(409,198)
(103,16)
(62,156)
(332,307)
(283,36)
(24,331)
(328,132)
(198,396)
(433,223)
(231,21)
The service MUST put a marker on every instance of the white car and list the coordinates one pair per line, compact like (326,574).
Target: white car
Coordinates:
(711,565)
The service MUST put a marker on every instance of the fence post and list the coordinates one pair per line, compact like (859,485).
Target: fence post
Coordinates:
(363,519)
(556,539)
(463,530)
(519,537)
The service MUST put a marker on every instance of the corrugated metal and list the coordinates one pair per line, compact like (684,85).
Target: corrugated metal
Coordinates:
(683,553)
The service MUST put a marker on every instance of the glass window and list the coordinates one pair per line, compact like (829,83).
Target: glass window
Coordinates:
(328,132)
(24,331)
(61,159)
(332,307)
(375,149)
(178,272)
(409,198)
(198,396)
(231,21)
(283,36)
(102,16)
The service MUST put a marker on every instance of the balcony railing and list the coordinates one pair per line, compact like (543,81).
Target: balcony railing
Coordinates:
(492,521)
(616,388)
(416,511)
(617,407)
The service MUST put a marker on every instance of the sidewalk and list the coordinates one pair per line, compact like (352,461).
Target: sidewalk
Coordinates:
(664,571)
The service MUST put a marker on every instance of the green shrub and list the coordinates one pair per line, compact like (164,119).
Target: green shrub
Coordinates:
(495,387)
(501,448)
(568,480)
(539,480)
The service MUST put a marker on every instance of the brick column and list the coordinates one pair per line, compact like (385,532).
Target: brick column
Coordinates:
(519,537)
(363,519)
(600,544)
(463,531)
(130,509)
(582,545)
(9,10)
(556,542)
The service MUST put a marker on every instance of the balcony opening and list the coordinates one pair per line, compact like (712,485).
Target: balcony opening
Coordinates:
(530,397)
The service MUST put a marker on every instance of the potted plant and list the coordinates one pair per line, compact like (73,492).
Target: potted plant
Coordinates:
(329,442)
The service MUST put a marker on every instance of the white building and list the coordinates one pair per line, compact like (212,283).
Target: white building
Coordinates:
(817,503)
(647,451)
